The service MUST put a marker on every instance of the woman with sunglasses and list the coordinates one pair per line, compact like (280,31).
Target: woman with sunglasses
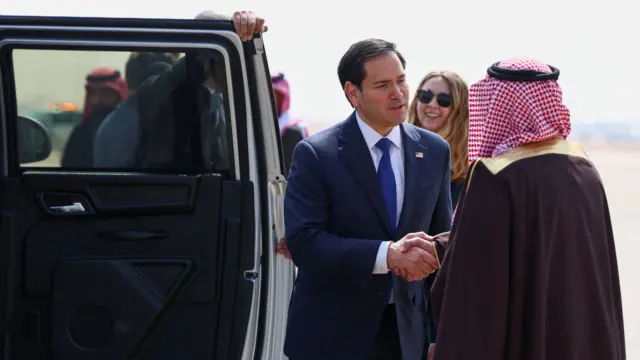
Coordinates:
(440,105)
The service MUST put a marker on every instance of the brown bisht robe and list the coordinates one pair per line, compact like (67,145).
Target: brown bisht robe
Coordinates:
(530,269)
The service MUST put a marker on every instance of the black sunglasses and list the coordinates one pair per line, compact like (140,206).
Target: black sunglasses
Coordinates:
(425,97)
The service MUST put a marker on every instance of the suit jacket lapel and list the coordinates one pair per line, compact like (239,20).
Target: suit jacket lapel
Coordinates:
(415,161)
(353,149)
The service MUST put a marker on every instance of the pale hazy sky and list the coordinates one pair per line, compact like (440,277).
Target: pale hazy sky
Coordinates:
(594,44)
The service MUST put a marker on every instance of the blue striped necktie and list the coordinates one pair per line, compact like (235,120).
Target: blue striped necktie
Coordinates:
(388,184)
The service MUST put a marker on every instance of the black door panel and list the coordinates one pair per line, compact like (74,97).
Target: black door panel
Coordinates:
(54,240)
(156,271)
(131,193)
(104,325)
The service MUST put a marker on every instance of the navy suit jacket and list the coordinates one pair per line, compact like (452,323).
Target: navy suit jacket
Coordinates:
(336,219)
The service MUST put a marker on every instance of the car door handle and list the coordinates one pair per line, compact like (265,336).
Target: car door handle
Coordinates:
(131,235)
(75,208)
(64,204)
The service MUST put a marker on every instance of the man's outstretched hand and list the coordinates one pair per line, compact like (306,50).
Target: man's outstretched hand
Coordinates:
(247,23)
(282,249)
(413,257)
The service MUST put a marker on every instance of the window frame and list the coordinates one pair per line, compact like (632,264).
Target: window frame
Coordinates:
(233,105)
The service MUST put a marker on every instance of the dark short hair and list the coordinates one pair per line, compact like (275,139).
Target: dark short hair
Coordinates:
(141,66)
(351,67)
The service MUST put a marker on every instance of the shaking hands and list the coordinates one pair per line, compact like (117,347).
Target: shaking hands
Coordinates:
(282,249)
(413,257)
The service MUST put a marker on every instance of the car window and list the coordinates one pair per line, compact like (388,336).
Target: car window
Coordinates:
(161,111)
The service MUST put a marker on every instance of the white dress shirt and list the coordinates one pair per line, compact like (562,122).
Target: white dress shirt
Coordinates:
(371,137)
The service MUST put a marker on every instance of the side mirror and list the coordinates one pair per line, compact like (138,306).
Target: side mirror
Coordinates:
(34,141)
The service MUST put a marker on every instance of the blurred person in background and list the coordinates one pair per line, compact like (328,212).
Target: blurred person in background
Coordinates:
(292,129)
(117,138)
(105,89)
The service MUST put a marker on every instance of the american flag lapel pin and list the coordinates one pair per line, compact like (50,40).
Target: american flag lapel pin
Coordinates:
(419,155)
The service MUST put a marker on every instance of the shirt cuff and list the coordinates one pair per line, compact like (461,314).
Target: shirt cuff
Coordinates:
(380,266)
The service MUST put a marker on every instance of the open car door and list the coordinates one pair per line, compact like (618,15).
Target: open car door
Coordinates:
(146,230)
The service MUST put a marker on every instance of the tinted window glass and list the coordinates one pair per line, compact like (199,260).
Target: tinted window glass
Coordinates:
(126,111)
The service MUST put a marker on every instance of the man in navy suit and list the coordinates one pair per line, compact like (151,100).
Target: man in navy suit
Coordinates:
(356,192)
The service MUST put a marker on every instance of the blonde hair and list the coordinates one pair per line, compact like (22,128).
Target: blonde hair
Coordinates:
(456,127)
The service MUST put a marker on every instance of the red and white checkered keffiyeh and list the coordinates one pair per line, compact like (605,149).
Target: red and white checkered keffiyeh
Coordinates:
(506,114)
